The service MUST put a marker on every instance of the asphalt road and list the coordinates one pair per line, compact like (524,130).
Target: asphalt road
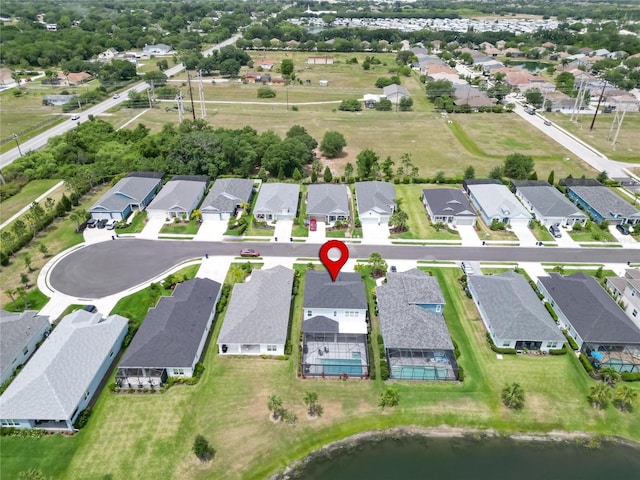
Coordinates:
(41,140)
(106,268)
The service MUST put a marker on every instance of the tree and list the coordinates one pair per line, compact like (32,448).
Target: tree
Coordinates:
(398,220)
(297,175)
(377,264)
(286,67)
(162,65)
(266,92)
(300,133)
(155,77)
(314,409)
(10,293)
(22,293)
(469,173)
(513,396)
(625,397)
(551,178)
(600,396)
(384,105)
(565,82)
(439,88)
(196,215)
(602,177)
(202,449)
(518,166)
(609,375)
(328,177)
(348,171)
(26,258)
(496,173)
(43,249)
(389,397)
(332,144)
(350,105)
(406,104)
(274,405)
(534,97)
(365,162)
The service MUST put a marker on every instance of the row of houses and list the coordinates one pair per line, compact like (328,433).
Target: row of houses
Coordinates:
(180,196)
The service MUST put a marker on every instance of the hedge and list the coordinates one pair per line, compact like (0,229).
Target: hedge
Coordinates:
(586,363)
(551,311)
(559,351)
(570,339)
(630,376)
(506,351)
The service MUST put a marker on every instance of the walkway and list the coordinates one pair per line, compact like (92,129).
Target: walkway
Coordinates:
(26,209)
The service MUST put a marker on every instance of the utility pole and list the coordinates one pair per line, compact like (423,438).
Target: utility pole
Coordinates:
(15,137)
(617,120)
(604,84)
(578,103)
(153,90)
(149,98)
(193,108)
(180,107)
(203,107)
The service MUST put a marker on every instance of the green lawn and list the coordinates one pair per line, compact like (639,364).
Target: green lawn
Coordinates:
(136,225)
(593,233)
(256,230)
(187,228)
(228,406)
(35,301)
(24,197)
(541,233)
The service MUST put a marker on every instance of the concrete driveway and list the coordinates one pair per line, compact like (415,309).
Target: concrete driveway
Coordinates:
(565,240)
(375,234)
(468,235)
(523,232)
(283,230)
(152,228)
(211,231)
(320,235)
(95,235)
(626,241)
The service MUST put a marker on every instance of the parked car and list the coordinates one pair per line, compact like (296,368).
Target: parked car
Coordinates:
(111,224)
(116,96)
(555,230)
(548,123)
(249,252)
(313,225)
(623,228)
(393,269)
(466,268)
(75,117)
(102,223)
(92,223)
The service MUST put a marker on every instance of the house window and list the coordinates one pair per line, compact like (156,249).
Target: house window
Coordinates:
(271,348)
(178,371)
(308,313)
(86,394)
(9,422)
(438,308)
(25,350)
(635,312)
(552,344)
(506,343)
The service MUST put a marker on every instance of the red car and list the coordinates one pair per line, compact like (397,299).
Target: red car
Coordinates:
(313,225)
(249,252)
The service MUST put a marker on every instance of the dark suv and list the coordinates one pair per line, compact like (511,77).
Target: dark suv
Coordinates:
(92,223)
(623,228)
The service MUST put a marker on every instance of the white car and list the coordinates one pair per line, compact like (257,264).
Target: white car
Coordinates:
(75,117)
(111,224)
(116,96)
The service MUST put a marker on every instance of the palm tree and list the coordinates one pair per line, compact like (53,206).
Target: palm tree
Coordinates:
(600,395)
(609,375)
(513,396)
(275,406)
(26,258)
(625,397)
(196,215)
(399,220)
(22,292)
(11,292)
(311,401)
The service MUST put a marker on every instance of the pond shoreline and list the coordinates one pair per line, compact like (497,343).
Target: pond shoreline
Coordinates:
(327,451)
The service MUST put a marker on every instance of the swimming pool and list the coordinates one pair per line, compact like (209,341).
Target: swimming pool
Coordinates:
(419,373)
(338,366)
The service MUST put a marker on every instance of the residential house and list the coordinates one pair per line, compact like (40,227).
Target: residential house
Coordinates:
(225,198)
(472,96)
(251,77)
(257,318)
(64,374)
(416,339)
(604,334)
(600,202)
(376,201)
(335,325)
(266,64)
(513,53)
(320,60)
(172,337)
(20,334)
(328,202)
(627,290)
(560,101)
(159,49)
(494,201)
(108,54)
(395,93)
(178,198)
(512,312)
(277,201)
(449,206)
(73,78)
(624,102)
(133,192)
(278,81)
(549,206)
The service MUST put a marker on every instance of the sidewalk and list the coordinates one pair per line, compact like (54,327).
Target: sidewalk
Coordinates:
(26,209)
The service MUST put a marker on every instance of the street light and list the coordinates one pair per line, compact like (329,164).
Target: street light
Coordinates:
(15,137)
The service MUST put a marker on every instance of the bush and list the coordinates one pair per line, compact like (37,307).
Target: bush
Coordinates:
(202,449)
(559,351)
(266,92)
(572,342)
(586,363)
(384,370)
(551,311)
(460,374)
(630,376)
(83,418)
(456,349)
(506,351)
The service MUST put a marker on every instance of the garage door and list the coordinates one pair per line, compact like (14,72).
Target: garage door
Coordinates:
(369,219)
(465,220)
(101,215)
(211,216)
(519,221)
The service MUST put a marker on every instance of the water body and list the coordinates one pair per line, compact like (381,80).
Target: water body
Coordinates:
(531,67)
(464,459)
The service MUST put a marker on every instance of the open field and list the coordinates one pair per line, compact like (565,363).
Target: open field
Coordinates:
(24,197)
(627,148)
(150,436)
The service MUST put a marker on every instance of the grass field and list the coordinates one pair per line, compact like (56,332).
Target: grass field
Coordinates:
(24,197)
(150,436)
(188,228)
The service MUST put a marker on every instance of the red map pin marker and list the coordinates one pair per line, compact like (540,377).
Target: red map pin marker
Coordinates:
(334,266)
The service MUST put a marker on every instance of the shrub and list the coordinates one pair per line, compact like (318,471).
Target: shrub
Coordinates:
(266,92)
(506,351)
(456,349)
(586,363)
(83,418)
(460,374)
(384,369)
(630,376)
(202,449)
(389,397)
(572,342)
(551,311)
(559,351)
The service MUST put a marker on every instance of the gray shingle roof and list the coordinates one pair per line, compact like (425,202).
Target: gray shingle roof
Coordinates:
(376,196)
(448,201)
(277,198)
(258,312)
(226,194)
(498,201)
(55,380)
(403,323)
(129,190)
(16,331)
(320,324)
(547,199)
(327,199)
(513,310)
(171,332)
(605,202)
(395,89)
(180,194)
(346,292)
(592,312)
